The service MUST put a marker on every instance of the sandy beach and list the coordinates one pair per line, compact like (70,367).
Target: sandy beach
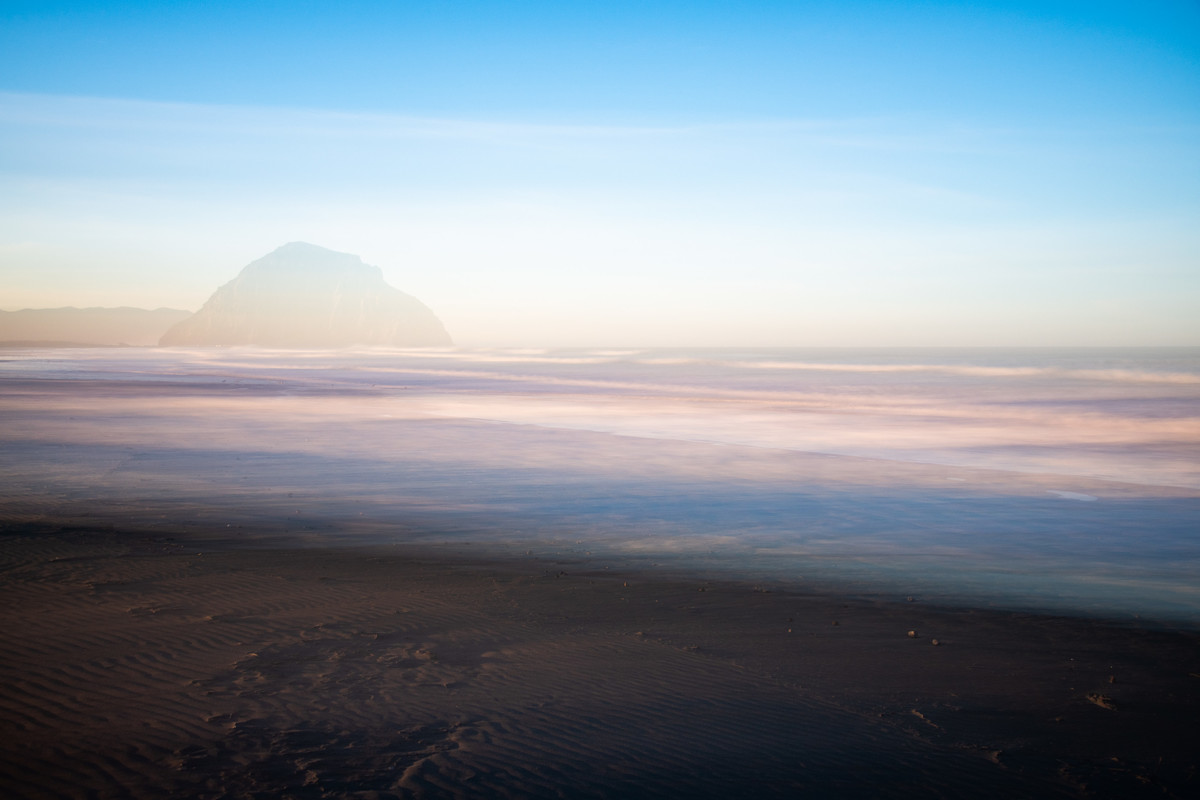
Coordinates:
(144,665)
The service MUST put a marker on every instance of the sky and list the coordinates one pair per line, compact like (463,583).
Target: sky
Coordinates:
(633,174)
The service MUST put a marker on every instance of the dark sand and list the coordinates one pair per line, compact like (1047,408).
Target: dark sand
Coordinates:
(171,664)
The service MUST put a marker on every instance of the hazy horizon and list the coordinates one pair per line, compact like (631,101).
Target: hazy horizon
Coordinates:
(665,175)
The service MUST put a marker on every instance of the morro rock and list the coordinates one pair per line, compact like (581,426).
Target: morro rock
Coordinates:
(302,295)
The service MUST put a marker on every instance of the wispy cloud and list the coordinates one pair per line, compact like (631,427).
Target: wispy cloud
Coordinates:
(96,113)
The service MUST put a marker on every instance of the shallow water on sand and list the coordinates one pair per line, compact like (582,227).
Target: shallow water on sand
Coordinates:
(1061,479)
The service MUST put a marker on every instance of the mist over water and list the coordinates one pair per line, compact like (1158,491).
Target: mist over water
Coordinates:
(1061,479)
(1125,415)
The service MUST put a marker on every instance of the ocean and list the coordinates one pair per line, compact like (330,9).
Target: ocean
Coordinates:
(1065,480)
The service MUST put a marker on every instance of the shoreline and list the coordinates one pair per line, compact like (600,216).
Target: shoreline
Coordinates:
(151,664)
(388,445)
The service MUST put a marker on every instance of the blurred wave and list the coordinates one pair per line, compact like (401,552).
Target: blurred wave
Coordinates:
(1038,478)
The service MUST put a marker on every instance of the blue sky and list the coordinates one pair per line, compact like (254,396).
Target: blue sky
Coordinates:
(624,173)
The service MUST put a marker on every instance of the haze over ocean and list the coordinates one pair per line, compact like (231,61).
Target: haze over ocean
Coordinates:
(1062,479)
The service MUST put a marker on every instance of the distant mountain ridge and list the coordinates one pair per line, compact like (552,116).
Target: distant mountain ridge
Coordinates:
(302,295)
(69,326)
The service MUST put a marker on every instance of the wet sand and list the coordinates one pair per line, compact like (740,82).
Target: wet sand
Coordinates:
(141,664)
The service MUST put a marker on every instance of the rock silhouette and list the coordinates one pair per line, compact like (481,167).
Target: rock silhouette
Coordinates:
(302,295)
